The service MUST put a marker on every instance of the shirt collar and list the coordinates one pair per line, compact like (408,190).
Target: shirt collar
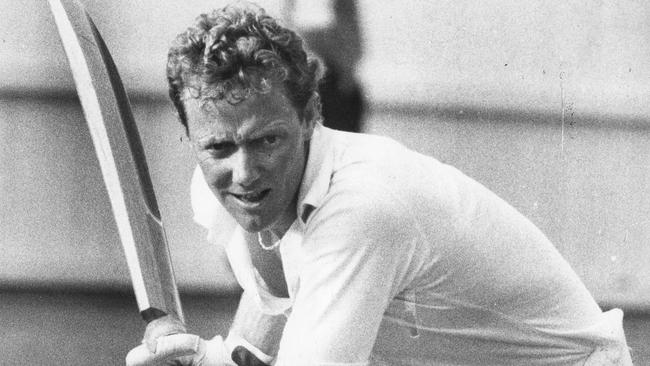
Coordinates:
(318,171)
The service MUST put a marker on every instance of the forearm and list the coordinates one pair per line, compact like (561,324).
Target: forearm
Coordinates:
(261,330)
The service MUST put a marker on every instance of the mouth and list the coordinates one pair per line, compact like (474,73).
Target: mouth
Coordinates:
(251,199)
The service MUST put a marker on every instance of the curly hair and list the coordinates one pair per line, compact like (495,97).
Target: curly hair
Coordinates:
(235,52)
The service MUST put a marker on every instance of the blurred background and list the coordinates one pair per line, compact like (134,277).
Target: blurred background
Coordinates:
(544,102)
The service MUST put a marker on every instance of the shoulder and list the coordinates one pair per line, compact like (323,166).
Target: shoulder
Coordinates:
(361,222)
(370,177)
(361,206)
(368,147)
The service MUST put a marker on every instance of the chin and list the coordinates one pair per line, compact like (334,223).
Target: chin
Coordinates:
(251,225)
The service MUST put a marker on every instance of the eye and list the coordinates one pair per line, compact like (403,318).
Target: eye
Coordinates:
(270,140)
(267,141)
(217,146)
(220,148)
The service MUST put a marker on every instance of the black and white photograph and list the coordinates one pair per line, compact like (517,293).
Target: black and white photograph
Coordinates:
(325,183)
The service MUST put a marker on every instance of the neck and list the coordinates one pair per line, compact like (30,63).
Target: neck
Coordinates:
(282,226)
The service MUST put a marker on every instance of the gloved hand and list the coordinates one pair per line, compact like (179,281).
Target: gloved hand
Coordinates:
(167,343)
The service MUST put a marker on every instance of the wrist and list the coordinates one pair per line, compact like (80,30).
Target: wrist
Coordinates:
(217,353)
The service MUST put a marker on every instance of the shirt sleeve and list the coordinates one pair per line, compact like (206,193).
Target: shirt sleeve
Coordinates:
(357,249)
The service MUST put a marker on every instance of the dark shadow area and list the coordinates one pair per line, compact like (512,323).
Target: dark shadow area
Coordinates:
(69,328)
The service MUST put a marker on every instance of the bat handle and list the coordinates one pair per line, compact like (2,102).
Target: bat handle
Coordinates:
(152,314)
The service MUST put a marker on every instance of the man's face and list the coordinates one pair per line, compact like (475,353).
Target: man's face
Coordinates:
(252,155)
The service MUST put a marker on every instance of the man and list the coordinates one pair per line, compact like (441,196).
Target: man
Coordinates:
(352,249)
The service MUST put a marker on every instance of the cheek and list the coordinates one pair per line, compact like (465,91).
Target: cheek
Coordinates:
(288,165)
(282,162)
(215,173)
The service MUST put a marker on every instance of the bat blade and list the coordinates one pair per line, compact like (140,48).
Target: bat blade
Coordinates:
(122,161)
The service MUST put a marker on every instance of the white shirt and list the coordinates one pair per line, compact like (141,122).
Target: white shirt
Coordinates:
(398,259)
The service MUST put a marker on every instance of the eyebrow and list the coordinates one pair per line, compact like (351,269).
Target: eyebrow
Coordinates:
(251,135)
(209,140)
(270,127)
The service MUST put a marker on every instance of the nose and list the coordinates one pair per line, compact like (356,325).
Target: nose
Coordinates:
(245,170)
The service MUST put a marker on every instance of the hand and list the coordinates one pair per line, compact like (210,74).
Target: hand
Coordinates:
(191,350)
(167,343)
(175,349)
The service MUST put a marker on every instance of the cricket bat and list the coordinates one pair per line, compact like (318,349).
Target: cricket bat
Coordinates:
(122,161)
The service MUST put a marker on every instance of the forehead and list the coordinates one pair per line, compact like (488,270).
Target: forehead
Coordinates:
(253,112)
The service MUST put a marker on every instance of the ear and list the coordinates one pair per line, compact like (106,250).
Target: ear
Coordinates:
(311,115)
